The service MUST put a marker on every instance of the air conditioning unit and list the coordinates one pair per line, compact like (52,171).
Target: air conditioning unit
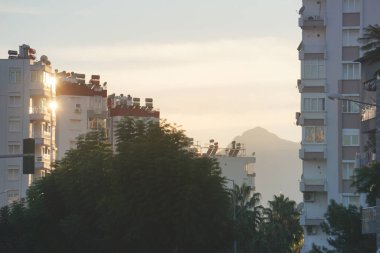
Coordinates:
(309,197)
(77,110)
(311,230)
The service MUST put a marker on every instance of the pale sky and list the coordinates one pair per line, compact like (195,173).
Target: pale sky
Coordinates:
(215,67)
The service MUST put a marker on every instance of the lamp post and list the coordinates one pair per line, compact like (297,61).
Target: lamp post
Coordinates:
(343,98)
(234,209)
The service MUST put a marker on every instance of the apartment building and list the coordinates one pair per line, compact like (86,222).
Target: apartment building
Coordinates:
(127,106)
(81,108)
(54,108)
(236,166)
(27,90)
(331,130)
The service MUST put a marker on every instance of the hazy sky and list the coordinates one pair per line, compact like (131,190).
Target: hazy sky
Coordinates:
(216,67)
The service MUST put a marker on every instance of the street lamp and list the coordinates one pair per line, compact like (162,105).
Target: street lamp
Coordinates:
(234,208)
(343,98)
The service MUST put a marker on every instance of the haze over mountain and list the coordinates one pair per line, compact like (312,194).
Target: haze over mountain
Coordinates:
(278,167)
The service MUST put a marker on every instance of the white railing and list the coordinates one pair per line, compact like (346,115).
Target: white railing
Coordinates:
(38,109)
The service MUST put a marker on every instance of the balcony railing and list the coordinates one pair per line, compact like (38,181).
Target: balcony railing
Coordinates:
(38,109)
(312,20)
(365,159)
(369,220)
(368,112)
(313,185)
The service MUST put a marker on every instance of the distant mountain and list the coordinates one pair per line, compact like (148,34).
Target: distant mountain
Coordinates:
(278,168)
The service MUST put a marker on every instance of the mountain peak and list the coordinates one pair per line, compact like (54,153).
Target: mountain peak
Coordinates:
(277,166)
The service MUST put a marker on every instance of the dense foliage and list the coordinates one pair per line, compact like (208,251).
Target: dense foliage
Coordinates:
(275,229)
(343,227)
(152,195)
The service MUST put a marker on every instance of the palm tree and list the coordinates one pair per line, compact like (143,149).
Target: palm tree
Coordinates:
(248,217)
(282,223)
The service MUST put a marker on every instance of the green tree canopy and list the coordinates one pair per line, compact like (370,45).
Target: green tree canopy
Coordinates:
(153,195)
(343,227)
(371,41)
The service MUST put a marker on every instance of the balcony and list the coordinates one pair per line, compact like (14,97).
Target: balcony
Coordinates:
(369,220)
(312,20)
(365,159)
(313,152)
(304,221)
(312,215)
(40,92)
(41,138)
(313,185)
(312,85)
(368,119)
(39,113)
(312,49)
(311,118)
(42,162)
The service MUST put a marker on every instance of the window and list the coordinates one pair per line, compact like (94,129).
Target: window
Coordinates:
(348,170)
(351,200)
(36,76)
(14,125)
(349,106)
(13,172)
(314,134)
(350,137)
(351,6)
(14,148)
(350,37)
(14,75)
(351,71)
(314,104)
(46,127)
(77,108)
(313,69)
(13,196)
(96,123)
(46,152)
(14,101)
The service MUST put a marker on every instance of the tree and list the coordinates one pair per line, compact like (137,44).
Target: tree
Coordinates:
(249,216)
(371,40)
(153,195)
(343,226)
(367,180)
(282,230)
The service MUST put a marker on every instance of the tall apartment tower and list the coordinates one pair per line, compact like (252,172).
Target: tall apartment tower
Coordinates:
(81,108)
(331,130)
(27,88)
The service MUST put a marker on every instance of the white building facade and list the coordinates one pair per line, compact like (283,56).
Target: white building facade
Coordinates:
(81,108)
(331,130)
(236,166)
(27,88)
